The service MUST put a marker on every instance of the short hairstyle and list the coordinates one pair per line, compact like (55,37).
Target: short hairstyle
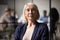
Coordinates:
(37,16)
(45,11)
(7,9)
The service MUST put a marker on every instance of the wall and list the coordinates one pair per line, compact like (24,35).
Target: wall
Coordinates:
(42,5)
(10,3)
(6,3)
(2,7)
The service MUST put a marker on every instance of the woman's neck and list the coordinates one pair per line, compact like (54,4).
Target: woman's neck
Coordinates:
(31,23)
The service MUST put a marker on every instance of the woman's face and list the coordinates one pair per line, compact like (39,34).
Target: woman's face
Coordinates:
(30,12)
(6,12)
(12,13)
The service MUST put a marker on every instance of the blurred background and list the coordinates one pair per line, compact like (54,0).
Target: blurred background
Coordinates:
(7,31)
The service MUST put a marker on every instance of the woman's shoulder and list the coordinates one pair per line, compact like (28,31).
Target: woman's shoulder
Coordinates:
(20,25)
(42,25)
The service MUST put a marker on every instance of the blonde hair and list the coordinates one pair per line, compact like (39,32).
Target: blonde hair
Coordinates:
(37,16)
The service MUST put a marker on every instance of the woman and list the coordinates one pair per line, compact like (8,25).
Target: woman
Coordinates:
(31,30)
(54,17)
(4,19)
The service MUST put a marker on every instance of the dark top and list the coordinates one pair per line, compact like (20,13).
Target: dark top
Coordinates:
(40,32)
(54,17)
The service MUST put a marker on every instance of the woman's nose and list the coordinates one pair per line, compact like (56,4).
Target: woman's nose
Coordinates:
(30,11)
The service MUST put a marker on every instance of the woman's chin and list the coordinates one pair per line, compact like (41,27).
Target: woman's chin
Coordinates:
(30,19)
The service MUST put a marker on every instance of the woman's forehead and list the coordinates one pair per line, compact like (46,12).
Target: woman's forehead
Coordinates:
(30,6)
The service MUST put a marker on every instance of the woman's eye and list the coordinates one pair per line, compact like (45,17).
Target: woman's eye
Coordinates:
(27,9)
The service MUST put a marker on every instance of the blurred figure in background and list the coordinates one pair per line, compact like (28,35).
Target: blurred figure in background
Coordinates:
(5,19)
(14,17)
(8,22)
(44,18)
(13,24)
(54,17)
